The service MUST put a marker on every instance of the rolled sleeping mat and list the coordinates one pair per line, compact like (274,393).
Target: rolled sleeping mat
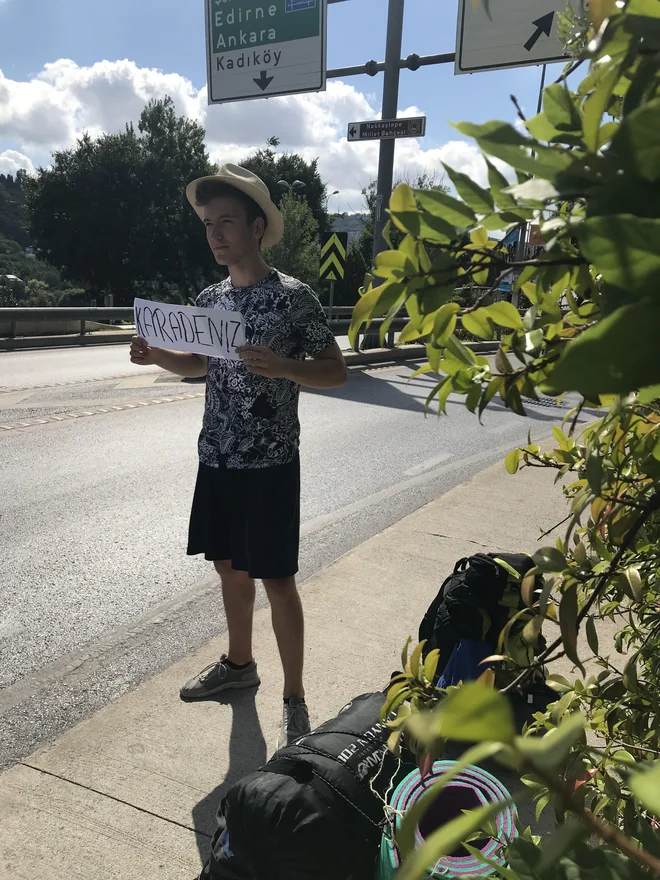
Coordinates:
(469,789)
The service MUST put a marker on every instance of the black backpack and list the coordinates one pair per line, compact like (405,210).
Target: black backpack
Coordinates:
(315,811)
(476,602)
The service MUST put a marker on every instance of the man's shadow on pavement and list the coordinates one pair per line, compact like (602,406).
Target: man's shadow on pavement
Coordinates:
(247,752)
(400,392)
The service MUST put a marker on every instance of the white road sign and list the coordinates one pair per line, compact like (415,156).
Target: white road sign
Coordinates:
(212,332)
(387,129)
(263,48)
(517,33)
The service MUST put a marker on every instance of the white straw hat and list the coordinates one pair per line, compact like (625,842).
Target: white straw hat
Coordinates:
(252,186)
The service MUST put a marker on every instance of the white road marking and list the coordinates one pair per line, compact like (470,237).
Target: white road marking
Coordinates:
(11,398)
(328,519)
(141,380)
(503,428)
(9,627)
(77,414)
(427,465)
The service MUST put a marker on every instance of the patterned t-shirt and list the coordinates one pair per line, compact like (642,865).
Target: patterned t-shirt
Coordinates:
(251,421)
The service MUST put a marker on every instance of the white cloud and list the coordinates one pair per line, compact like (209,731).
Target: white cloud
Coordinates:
(12,161)
(465,157)
(298,120)
(64,99)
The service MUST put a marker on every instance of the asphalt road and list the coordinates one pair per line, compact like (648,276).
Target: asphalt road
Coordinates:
(54,366)
(96,476)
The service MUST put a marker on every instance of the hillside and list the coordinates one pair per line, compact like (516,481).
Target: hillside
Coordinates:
(353,224)
(12,219)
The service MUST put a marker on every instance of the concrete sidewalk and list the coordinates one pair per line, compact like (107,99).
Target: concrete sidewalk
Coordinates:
(133,791)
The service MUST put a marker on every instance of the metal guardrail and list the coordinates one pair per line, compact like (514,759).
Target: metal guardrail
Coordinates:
(56,313)
(98,315)
(95,313)
(340,323)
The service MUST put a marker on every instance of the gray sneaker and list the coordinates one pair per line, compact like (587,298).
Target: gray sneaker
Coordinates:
(218,677)
(295,722)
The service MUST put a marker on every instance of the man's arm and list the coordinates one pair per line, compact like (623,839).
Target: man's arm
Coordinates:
(325,370)
(182,363)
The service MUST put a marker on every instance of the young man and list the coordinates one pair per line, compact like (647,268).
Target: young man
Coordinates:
(246,507)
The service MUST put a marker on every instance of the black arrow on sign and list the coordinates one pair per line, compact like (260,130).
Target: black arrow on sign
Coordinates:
(353,132)
(543,26)
(264,81)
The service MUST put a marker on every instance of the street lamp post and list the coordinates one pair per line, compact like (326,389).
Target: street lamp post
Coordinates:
(296,186)
(328,197)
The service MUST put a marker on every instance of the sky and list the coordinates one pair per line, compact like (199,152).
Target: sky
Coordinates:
(68,66)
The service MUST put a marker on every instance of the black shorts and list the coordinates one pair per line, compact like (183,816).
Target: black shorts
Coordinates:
(250,517)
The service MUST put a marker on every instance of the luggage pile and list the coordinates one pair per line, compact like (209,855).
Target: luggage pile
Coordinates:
(317,809)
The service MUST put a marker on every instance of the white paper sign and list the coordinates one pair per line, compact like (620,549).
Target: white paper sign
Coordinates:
(213,332)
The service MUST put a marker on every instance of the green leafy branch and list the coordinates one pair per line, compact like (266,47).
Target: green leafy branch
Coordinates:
(587,173)
(478,714)
(602,581)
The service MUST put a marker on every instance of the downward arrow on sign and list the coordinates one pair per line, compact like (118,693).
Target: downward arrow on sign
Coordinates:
(264,81)
(543,26)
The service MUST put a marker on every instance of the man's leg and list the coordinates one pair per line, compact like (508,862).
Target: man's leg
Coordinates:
(236,669)
(289,628)
(238,594)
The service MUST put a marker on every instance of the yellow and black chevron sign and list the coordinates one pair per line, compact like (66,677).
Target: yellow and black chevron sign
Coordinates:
(333,256)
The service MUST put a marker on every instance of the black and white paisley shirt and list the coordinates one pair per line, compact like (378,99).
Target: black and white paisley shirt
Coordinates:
(251,421)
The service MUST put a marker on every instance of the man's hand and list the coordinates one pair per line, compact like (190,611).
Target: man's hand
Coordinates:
(142,353)
(261,360)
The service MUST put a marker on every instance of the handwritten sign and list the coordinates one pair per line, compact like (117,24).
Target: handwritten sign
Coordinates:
(213,332)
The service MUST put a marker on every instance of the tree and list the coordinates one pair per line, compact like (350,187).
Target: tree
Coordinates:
(424,181)
(16,257)
(346,290)
(297,254)
(272,168)
(173,153)
(87,213)
(112,211)
(12,292)
(15,261)
(360,254)
(13,223)
(588,169)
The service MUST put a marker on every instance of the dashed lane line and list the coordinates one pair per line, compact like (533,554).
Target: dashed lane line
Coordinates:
(97,411)
(70,382)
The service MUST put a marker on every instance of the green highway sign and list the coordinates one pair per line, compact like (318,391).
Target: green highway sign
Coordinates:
(264,48)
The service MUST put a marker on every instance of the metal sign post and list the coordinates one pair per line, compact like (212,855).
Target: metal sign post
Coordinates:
(386,155)
(263,48)
(389,108)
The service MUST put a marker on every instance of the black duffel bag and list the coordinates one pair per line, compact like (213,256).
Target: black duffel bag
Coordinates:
(315,810)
